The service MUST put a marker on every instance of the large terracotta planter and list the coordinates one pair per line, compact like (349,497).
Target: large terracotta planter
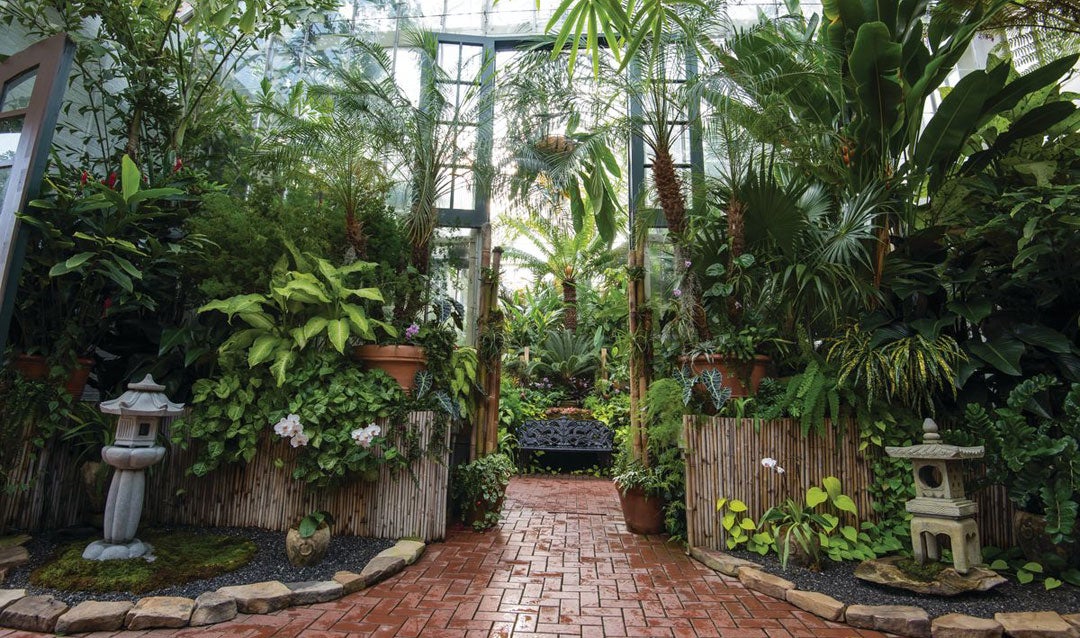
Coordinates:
(36,368)
(643,513)
(306,551)
(741,377)
(401,362)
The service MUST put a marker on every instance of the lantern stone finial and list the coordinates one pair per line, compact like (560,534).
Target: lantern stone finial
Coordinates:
(930,431)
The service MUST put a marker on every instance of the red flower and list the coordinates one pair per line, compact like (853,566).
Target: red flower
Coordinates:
(85,177)
(178,165)
(110,181)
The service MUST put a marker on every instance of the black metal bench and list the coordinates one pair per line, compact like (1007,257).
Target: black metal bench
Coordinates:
(566,435)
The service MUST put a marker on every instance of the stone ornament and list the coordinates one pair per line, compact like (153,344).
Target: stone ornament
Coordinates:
(141,410)
(941,505)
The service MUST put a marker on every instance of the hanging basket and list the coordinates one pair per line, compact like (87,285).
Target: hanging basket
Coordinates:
(401,362)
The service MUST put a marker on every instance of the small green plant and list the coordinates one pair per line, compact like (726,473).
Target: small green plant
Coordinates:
(478,489)
(741,529)
(799,529)
(1054,573)
(313,521)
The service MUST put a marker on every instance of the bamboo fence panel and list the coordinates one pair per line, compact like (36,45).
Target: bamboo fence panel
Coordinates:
(723,459)
(401,503)
(43,487)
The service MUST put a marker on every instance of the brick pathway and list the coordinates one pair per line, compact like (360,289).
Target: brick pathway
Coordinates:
(561,564)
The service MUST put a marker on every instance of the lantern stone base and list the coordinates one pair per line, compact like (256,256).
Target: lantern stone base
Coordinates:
(963,537)
(100,550)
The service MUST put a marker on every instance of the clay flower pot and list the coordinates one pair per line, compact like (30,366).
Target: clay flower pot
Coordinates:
(741,377)
(306,551)
(36,368)
(401,362)
(644,513)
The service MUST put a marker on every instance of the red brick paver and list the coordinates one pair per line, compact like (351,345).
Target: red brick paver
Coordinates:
(561,564)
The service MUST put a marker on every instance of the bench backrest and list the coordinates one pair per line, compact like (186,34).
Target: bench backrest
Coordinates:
(565,434)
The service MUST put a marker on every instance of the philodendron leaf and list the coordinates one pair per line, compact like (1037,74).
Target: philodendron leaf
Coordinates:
(832,486)
(816,496)
(1003,353)
(845,504)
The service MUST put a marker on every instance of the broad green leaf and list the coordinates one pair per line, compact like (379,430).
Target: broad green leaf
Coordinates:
(737,506)
(338,332)
(816,496)
(720,503)
(832,486)
(129,178)
(263,349)
(875,63)
(845,504)
(940,142)
(1051,583)
(1011,94)
(1002,353)
(280,367)
(1024,576)
(1034,567)
(70,264)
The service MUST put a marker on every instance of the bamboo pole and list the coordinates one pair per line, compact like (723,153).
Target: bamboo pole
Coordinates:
(477,437)
(494,319)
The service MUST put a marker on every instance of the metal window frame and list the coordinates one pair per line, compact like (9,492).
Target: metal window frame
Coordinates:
(52,59)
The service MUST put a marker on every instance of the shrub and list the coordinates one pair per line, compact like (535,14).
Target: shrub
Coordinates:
(478,489)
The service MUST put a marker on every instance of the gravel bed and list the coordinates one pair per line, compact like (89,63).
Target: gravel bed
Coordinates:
(349,553)
(838,580)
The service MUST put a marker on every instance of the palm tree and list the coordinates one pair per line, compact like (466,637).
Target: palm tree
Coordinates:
(569,256)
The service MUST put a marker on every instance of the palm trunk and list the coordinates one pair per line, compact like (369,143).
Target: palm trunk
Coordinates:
(569,291)
(736,230)
(669,192)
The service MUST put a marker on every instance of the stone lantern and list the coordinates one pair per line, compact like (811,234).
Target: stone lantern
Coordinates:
(940,505)
(141,410)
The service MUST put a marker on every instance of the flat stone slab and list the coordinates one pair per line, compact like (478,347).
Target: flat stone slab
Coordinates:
(12,557)
(765,583)
(315,591)
(160,611)
(949,582)
(1036,624)
(409,551)
(8,596)
(350,581)
(259,598)
(33,613)
(897,619)
(962,626)
(721,562)
(212,608)
(820,605)
(380,568)
(93,615)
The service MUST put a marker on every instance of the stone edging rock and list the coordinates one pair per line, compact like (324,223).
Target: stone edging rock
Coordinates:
(45,614)
(894,619)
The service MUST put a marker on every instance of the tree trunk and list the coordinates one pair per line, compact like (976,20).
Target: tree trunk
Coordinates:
(569,291)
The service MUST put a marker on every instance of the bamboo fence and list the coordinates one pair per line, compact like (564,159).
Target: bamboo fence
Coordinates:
(402,503)
(723,459)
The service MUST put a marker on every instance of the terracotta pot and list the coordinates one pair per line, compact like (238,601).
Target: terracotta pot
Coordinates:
(741,377)
(1031,536)
(400,362)
(644,514)
(306,551)
(36,368)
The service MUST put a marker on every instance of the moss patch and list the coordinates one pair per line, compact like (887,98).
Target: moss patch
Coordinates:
(181,557)
(927,573)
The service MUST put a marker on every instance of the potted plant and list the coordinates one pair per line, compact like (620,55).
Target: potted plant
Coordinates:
(402,357)
(88,250)
(641,491)
(306,543)
(734,355)
(479,487)
(313,302)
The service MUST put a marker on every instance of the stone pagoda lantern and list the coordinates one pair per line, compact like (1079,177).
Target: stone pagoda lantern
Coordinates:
(141,410)
(940,505)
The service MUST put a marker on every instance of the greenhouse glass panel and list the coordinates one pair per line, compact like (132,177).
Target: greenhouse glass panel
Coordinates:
(17,92)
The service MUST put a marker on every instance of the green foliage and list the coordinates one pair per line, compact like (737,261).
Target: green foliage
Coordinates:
(1032,448)
(906,363)
(97,257)
(332,398)
(1025,571)
(478,489)
(613,411)
(805,529)
(179,557)
(250,235)
(313,521)
(316,302)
